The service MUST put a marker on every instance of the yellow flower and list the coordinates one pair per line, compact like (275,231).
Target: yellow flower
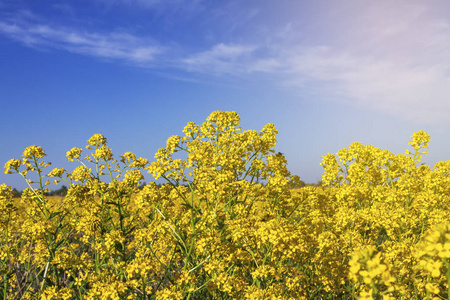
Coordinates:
(419,140)
(74,153)
(128,157)
(97,140)
(57,172)
(12,164)
(432,288)
(33,152)
(445,251)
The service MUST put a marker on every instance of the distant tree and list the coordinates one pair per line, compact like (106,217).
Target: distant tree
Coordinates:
(296,182)
(142,185)
(63,190)
(60,192)
(317,184)
(16,193)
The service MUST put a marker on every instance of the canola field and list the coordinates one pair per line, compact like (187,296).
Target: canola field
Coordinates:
(226,224)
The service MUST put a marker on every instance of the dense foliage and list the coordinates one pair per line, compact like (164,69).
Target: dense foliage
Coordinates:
(226,225)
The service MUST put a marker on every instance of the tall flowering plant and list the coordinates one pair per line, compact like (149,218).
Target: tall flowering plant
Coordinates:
(226,223)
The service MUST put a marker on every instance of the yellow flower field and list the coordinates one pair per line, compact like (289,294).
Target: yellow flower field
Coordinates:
(226,224)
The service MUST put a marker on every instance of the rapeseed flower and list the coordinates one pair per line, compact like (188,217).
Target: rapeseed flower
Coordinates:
(226,224)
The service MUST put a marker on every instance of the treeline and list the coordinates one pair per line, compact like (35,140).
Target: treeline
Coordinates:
(59,192)
(62,192)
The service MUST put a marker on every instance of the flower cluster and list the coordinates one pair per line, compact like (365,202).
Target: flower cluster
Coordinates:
(226,224)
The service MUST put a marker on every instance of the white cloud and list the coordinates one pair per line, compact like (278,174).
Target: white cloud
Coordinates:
(221,59)
(113,45)
(419,93)
(398,63)
(187,6)
(146,3)
(393,57)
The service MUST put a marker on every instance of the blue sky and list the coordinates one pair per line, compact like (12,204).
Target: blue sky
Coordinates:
(326,73)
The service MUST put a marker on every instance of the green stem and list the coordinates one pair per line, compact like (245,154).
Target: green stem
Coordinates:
(5,286)
(31,188)
(39,174)
(144,287)
(447,265)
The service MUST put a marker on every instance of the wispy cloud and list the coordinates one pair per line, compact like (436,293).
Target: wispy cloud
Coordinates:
(393,59)
(388,57)
(145,3)
(113,45)
(166,6)
(415,92)
(397,63)
(220,59)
